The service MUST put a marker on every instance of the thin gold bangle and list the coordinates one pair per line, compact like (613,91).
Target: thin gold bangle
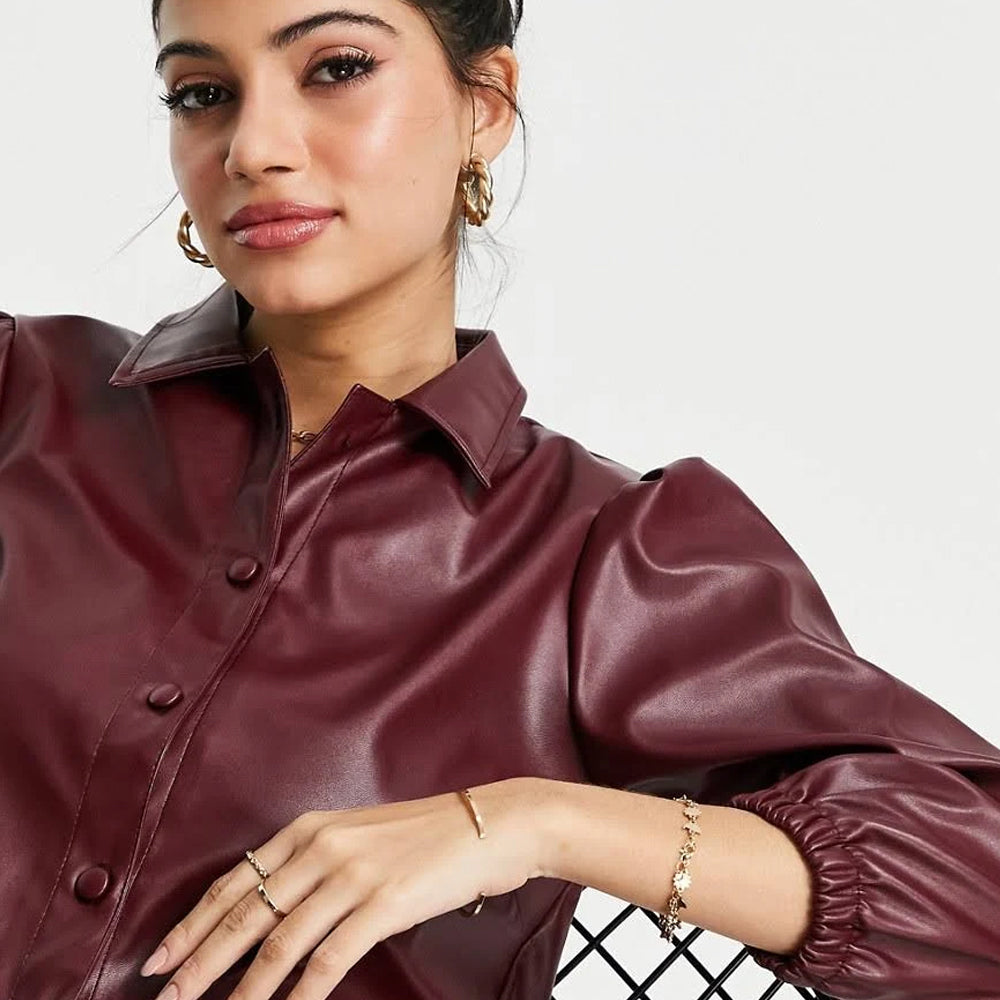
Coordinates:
(467,795)
(481,828)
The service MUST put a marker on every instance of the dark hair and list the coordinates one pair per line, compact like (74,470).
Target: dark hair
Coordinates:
(467,30)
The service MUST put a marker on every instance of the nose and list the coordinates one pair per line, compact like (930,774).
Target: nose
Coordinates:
(267,136)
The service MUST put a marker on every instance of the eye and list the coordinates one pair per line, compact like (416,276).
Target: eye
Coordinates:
(346,64)
(361,60)
(175,99)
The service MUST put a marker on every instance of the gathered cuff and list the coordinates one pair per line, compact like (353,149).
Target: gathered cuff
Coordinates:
(838,889)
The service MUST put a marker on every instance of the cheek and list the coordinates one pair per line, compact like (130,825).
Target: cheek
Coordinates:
(399,167)
(195,169)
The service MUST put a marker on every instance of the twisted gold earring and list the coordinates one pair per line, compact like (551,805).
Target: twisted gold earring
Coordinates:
(184,239)
(477,186)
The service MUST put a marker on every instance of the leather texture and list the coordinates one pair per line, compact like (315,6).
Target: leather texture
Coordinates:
(200,640)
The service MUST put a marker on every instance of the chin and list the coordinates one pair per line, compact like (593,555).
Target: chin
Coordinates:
(290,292)
(298,281)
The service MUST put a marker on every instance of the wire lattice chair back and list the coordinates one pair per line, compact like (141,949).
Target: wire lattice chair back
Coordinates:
(618,962)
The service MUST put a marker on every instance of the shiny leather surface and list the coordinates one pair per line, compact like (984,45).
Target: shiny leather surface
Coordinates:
(200,640)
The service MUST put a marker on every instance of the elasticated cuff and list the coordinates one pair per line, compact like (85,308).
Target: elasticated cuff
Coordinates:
(838,889)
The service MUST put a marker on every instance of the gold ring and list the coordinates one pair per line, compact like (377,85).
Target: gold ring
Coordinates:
(270,902)
(258,867)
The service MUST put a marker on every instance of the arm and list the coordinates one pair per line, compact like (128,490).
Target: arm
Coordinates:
(749,881)
(704,659)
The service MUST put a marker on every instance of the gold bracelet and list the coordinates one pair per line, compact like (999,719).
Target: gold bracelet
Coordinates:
(669,921)
(481,829)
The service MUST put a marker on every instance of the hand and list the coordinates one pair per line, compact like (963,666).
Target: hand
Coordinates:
(367,873)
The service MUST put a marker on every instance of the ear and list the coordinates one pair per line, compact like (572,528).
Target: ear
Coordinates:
(495,118)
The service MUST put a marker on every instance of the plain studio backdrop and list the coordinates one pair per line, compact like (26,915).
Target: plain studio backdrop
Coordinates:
(765,233)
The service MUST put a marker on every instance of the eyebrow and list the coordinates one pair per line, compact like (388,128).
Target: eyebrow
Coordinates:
(280,39)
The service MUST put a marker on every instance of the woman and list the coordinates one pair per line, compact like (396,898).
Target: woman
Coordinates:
(349,674)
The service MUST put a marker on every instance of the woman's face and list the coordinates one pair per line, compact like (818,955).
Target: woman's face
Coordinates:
(354,117)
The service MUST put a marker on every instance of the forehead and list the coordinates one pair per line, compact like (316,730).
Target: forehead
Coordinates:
(277,24)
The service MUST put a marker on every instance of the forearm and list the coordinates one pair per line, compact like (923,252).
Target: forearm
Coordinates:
(748,879)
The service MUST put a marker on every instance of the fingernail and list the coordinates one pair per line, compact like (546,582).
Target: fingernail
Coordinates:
(154,961)
(170,993)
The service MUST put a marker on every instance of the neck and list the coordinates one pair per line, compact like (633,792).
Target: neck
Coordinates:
(389,348)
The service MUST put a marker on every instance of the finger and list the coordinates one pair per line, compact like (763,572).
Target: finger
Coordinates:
(246,923)
(291,940)
(222,895)
(353,937)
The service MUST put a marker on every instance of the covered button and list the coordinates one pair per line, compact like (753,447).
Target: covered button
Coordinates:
(164,696)
(242,570)
(92,883)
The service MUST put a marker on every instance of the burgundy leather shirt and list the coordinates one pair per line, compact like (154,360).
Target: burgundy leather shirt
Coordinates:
(201,640)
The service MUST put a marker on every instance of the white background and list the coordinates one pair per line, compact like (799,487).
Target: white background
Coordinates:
(765,233)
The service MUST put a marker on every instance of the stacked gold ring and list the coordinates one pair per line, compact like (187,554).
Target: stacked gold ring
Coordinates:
(261,889)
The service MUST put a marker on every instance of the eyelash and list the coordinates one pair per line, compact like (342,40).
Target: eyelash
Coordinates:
(364,61)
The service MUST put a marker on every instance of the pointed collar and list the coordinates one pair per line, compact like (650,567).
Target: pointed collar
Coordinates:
(474,402)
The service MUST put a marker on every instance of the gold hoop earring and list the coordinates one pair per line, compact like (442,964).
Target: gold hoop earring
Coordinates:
(477,186)
(184,239)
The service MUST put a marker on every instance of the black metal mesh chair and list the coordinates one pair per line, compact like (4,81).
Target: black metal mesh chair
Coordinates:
(614,951)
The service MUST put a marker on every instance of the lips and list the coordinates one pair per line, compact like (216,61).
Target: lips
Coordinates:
(272,211)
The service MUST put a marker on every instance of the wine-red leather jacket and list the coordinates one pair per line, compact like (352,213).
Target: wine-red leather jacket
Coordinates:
(200,640)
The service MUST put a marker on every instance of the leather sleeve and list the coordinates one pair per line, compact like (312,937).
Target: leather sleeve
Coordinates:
(705,659)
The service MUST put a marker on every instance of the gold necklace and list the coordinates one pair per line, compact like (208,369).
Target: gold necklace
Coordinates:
(304,437)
